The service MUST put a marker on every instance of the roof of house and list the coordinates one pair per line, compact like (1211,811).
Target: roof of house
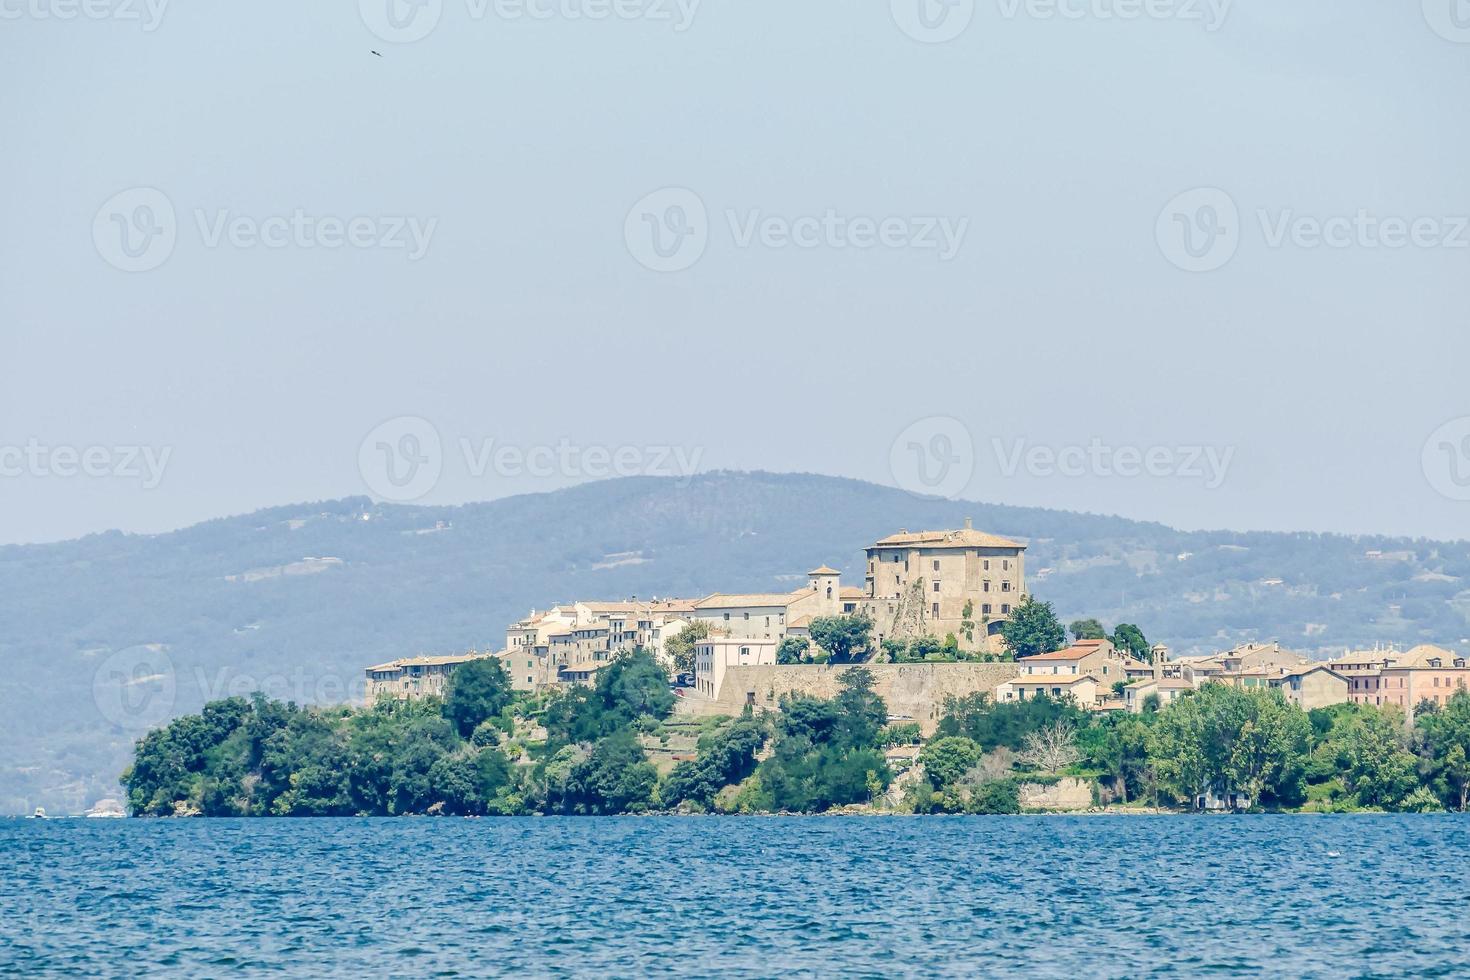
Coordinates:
(1052,680)
(1071,653)
(722,600)
(455,658)
(1166,683)
(580,668)
(963,538)
(852,592)
(800,622)
(824,570)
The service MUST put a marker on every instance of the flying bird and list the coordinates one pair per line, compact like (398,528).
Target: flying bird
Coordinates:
(378,53)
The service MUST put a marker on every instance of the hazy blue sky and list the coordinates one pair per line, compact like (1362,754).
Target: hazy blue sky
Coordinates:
(1277,381)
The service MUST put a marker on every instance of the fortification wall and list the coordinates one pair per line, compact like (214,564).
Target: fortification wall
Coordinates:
(915,691)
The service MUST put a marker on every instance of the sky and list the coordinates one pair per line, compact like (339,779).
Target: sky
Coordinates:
(1193,261)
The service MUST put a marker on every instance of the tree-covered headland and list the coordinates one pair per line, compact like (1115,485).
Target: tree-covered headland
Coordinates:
(618,747)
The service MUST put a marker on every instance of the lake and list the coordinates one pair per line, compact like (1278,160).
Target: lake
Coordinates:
(1094,896)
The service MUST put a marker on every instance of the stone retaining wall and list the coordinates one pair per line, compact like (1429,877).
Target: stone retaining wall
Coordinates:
(911,691)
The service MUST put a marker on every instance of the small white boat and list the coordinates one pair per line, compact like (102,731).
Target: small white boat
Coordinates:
(40,813)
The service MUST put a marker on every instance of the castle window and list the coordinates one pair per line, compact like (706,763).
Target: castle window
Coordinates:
(1004,609)
(936,586)
(936,610)
(936,564)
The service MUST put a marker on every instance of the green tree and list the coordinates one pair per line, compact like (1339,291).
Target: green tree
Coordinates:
(1130,638)
(478,690)
(1087,629)
(680,647)
(946,760)
(615,778)
(1033,628)
(1446,738)
(845,638)
(1377,767)
(792,650)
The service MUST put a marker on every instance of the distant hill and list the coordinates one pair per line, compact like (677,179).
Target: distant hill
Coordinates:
(105,635)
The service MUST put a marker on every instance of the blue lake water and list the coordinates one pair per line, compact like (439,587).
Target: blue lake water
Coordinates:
(630,897)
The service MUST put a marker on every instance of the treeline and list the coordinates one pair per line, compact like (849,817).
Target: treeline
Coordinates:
(484,750)
(1220,746)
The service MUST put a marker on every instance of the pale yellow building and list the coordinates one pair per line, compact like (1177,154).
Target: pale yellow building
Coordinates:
(415,676)
(715,654)
(934,583)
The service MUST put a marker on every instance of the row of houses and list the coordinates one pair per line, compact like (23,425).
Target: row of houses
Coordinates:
(1099,677)
(961,582)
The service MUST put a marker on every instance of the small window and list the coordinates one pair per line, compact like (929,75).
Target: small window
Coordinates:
(936,610)
(986,586)
(987,564)
(936,586)
(1005,610)
(936,564)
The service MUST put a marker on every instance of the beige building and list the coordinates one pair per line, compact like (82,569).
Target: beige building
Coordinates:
(1081,688)
(414,676)
(540,649)
(1168,689)
(772,615)
(933,583)
(1311,687)
(715,654)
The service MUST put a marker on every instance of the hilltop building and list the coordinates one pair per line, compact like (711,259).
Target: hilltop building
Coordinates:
(933,583)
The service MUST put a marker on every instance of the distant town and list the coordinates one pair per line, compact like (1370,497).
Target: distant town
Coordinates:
(934,606)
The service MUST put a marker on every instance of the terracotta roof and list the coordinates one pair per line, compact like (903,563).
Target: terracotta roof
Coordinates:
(824,570)
(1071,653)
(1052,680)
(580,668)
(964,538)
(457,658)
(721,600)
(852,592)
(801,622)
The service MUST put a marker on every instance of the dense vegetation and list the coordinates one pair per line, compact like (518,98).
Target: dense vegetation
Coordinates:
(220,605)
(586,750)
(1215,742)
(480,750)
